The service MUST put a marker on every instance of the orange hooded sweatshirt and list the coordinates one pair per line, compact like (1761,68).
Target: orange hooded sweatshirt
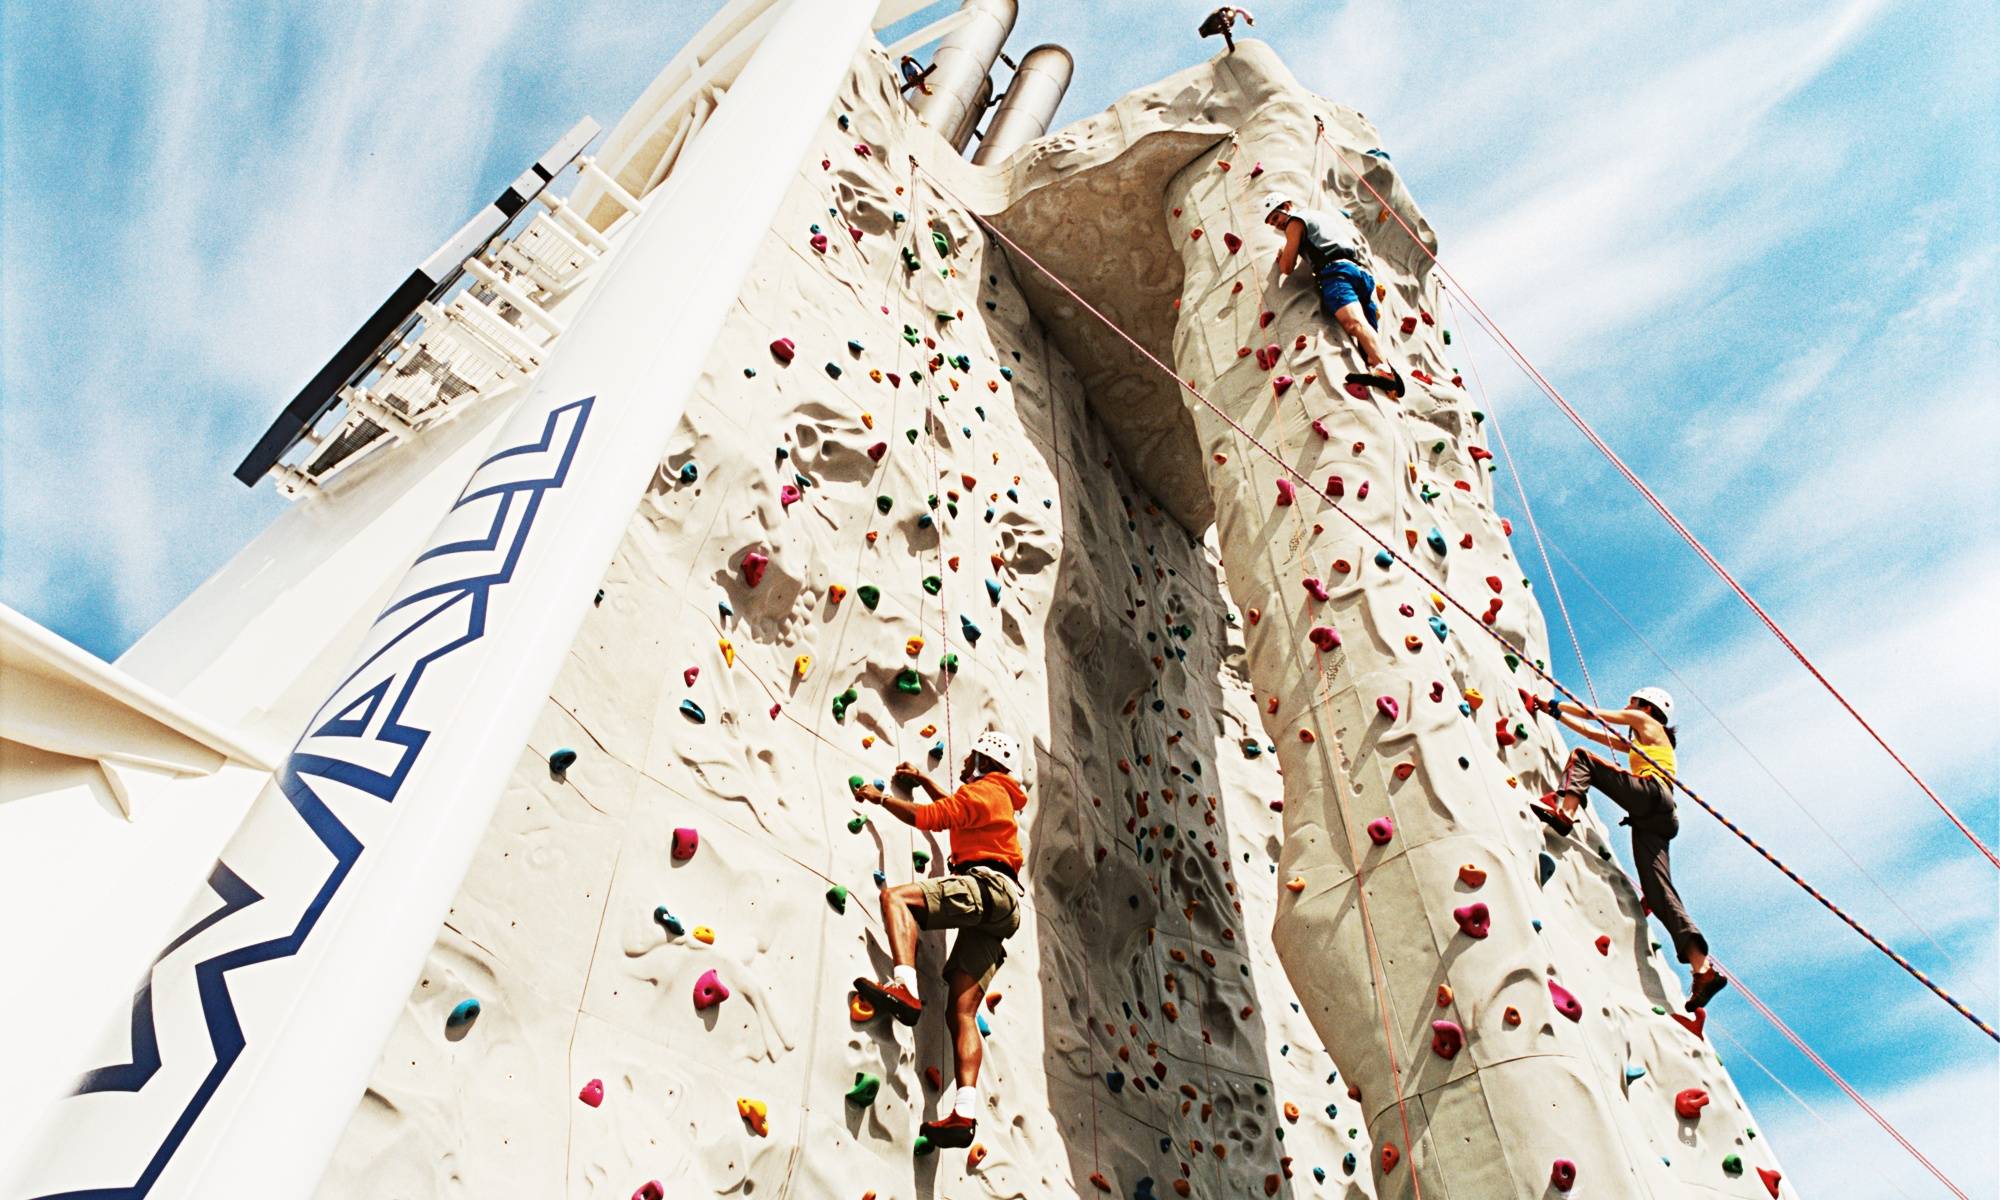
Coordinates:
(980,816)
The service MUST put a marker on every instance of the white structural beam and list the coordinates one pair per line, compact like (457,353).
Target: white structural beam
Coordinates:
(266,1016)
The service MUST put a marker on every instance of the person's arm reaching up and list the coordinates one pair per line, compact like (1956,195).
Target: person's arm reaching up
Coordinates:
(1288,257)
(1577,723)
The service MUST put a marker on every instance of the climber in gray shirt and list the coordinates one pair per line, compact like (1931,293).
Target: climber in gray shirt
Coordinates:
(1346,289)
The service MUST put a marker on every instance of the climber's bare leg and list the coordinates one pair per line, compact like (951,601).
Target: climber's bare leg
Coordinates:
(967,1047)
(1349,317)
(899,921)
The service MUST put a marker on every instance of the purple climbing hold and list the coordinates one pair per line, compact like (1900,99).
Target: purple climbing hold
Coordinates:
(1474,920)
(1387,706)
(1566,1003)
(709,990)
(1447,1038)
(686,842)
(1381,830)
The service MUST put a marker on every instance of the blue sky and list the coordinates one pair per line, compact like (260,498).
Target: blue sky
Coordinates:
(1755,246)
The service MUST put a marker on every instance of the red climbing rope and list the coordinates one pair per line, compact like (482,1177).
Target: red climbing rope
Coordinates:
(1528,511)
(1479,623)
(1492,327)
(1844,1086)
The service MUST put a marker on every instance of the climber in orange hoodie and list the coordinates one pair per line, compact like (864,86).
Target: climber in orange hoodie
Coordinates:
(981,898)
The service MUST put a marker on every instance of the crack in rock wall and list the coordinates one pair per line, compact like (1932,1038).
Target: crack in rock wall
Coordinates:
(888,461)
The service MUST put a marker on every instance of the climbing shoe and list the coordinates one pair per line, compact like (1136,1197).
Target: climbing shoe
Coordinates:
(1706,985)
(892,996)
(950,1130)
(1551,816)
(1392,383)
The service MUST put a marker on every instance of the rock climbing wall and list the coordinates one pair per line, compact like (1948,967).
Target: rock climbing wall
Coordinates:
(1533,1035)
(890,520)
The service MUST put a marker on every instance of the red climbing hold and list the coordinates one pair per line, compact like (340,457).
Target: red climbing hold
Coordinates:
(1493,581)
(1232,242)
(652,1189)
(753,567)
(1265,318)
(1502,734)
(1566,1003)
(1474,920)
(592,1093)
(789,495)
(1479,453)
(689,676)
(1325,637)
(1562,1176)
(1471,876)
(1409,325)
(1447,1038)
(877,450)
(1770,1179)
(1316,589)
(1405,770)
(1282,384)
(1604,944)
(1336,487)
(1284,493)
(1694,1024)
(1361,493)
(1688,1103)
(1357,390)
(1381,830)
(782,350)
(686,842)
(818,242)
(1387,707)
(1390,1156)
(1319,427)
(709,990)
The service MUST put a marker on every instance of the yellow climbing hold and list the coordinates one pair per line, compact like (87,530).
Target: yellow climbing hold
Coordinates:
(1474,698)
(927,731)
(728,652)
(913,647)
(755,1115)
(802,665)
(706,937)
(868,420)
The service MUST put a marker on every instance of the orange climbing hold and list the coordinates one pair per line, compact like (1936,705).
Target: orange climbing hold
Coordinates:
(975,1156)
(859,1010)
(1295,884)
(1471,876)
(755,1115)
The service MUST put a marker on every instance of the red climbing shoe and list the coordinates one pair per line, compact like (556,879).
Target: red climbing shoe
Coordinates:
(1551,816)
(1706,985)
(892,996)
(951,1130)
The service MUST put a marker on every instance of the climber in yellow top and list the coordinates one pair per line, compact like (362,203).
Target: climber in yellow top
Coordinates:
(1346,289)
(1647,796)
(981,898)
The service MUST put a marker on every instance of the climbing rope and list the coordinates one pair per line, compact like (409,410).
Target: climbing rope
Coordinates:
(1844,1086)
(1798,1100)
(1493,329)
(1528,511)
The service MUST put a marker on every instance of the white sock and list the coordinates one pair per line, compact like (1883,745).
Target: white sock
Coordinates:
(907,976)
(967,1103)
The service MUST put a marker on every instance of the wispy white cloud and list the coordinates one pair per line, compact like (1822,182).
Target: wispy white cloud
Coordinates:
(1950,1116)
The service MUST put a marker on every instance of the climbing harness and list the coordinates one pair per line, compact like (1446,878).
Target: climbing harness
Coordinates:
(1493,329)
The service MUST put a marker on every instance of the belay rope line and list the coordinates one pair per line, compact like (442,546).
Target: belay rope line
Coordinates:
(1541,381)
(1397,556)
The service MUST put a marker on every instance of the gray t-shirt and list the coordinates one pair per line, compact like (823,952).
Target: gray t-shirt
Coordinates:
(1323,248)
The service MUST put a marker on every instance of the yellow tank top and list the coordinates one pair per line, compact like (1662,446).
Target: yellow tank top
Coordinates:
(1662,754)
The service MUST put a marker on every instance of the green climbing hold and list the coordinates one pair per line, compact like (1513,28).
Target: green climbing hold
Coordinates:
(1732,1166)
(841,702)
(950,664)
(933,584)
(909,682)
(883,504)
(864,1089)
(855,783)
(870,595)
(923,1146)
(910,335)
(837,896)
(912,435)
(943,246)
(857,824)
(920,859)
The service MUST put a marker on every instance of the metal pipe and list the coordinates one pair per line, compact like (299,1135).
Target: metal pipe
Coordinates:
(962,137)
(962,62)
(1030,102)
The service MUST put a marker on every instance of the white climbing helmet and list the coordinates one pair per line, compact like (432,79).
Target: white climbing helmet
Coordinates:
(1273,202)
(1000,748)
(1658,698)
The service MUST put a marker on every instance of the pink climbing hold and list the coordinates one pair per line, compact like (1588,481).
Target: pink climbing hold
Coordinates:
(1284,493)
(1233,242)
(782,350)
(1381,830)
(818,242)
(1357,390)
(1688,1103)
(1319,427)
(1447,1038)
(1562,1176)
(1256,170)
(686,842)
(1282,384)
(1474,920)
(592,1093)
(1566,1003)
(652,1189)
(709,990)
(877,450)
(1316,589)
(1325,637)
(1770,1179)
(1361,493)
(1387,706)
(689,676)
(753,567)
(789,495)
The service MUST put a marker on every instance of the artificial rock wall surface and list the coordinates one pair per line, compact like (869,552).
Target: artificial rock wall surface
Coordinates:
(924,481)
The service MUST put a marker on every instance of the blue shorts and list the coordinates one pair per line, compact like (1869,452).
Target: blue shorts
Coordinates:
(1344,283)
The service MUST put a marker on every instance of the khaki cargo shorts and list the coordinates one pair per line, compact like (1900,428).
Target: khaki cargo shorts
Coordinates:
(985,909)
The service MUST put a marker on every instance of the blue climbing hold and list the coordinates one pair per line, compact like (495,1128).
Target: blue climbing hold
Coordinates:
(1634,1074)
(853,346)
(1014,495)
(672,922)
(966,627)
(1545,869)
(562,760)
(1383,558)
(1438,627)
(692,712)
(937,748)
(465,1013)
(722,606)
(1115,1080)
(1347,1163)
(985,1030)
(1319,1174)
(689,472)
(833,369)
(993,590)
(1436,540)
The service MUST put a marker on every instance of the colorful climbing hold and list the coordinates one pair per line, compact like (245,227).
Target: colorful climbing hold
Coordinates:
(686,842)
(755,1115)
(1387,707)
(561,760)
(1688,1103)
(1284,493)
(753,567)
(1770,1179)
(1474,920)
(865,1088)
(464,1013)
(1566,1003)
(1324,637)
(783,350)
(1381,830)
(693,712)
(870,595)
(1562,1175)
(709,990)
(592,1093)
(1447,1038)
(837,897)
